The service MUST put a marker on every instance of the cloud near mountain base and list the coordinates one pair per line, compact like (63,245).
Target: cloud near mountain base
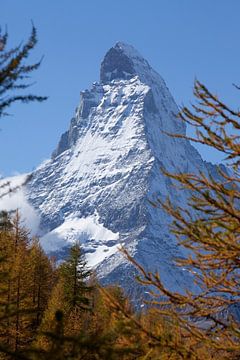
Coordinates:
(16,200)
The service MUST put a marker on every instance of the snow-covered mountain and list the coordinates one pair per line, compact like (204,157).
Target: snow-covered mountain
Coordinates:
(106,167)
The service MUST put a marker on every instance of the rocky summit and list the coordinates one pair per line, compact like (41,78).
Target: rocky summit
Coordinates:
(97,185)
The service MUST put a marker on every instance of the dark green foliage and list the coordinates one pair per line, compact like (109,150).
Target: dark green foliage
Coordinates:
(75,274)
(14,71)
(5,221)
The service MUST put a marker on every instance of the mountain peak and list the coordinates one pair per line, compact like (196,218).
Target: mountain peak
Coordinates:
(122,61)
(128,50)
(97,186)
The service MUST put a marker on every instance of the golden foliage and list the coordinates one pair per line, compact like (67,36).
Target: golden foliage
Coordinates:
(210,229)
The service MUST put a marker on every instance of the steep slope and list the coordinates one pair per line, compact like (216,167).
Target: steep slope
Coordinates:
(106,167)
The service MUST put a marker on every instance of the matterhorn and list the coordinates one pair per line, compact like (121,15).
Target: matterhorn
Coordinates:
(106,170)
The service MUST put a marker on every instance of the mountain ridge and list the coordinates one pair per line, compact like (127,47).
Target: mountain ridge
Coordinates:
(97,185)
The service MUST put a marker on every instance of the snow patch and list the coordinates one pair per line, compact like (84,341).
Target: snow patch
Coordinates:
(98,241)
(101,253)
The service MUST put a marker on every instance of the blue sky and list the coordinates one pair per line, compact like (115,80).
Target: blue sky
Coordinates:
(181,39)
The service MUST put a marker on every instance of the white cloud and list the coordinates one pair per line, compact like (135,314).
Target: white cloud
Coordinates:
(17,200)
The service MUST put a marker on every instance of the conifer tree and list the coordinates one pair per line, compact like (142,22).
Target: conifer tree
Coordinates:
(13,246)
(208,320)
(6,262)
(40,280)
(19,289)
(5,221)
(75,275)
(26,276)
(14,70)
(71,295)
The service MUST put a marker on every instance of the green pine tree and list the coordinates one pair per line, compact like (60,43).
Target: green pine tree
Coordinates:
(75,275)
(14,70)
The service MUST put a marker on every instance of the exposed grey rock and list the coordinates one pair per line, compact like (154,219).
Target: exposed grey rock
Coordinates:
(97,186)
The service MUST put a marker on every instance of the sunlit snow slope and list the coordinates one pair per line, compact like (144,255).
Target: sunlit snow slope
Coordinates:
(97,186)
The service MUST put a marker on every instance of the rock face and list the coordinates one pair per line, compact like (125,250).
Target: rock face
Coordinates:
(106,167)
